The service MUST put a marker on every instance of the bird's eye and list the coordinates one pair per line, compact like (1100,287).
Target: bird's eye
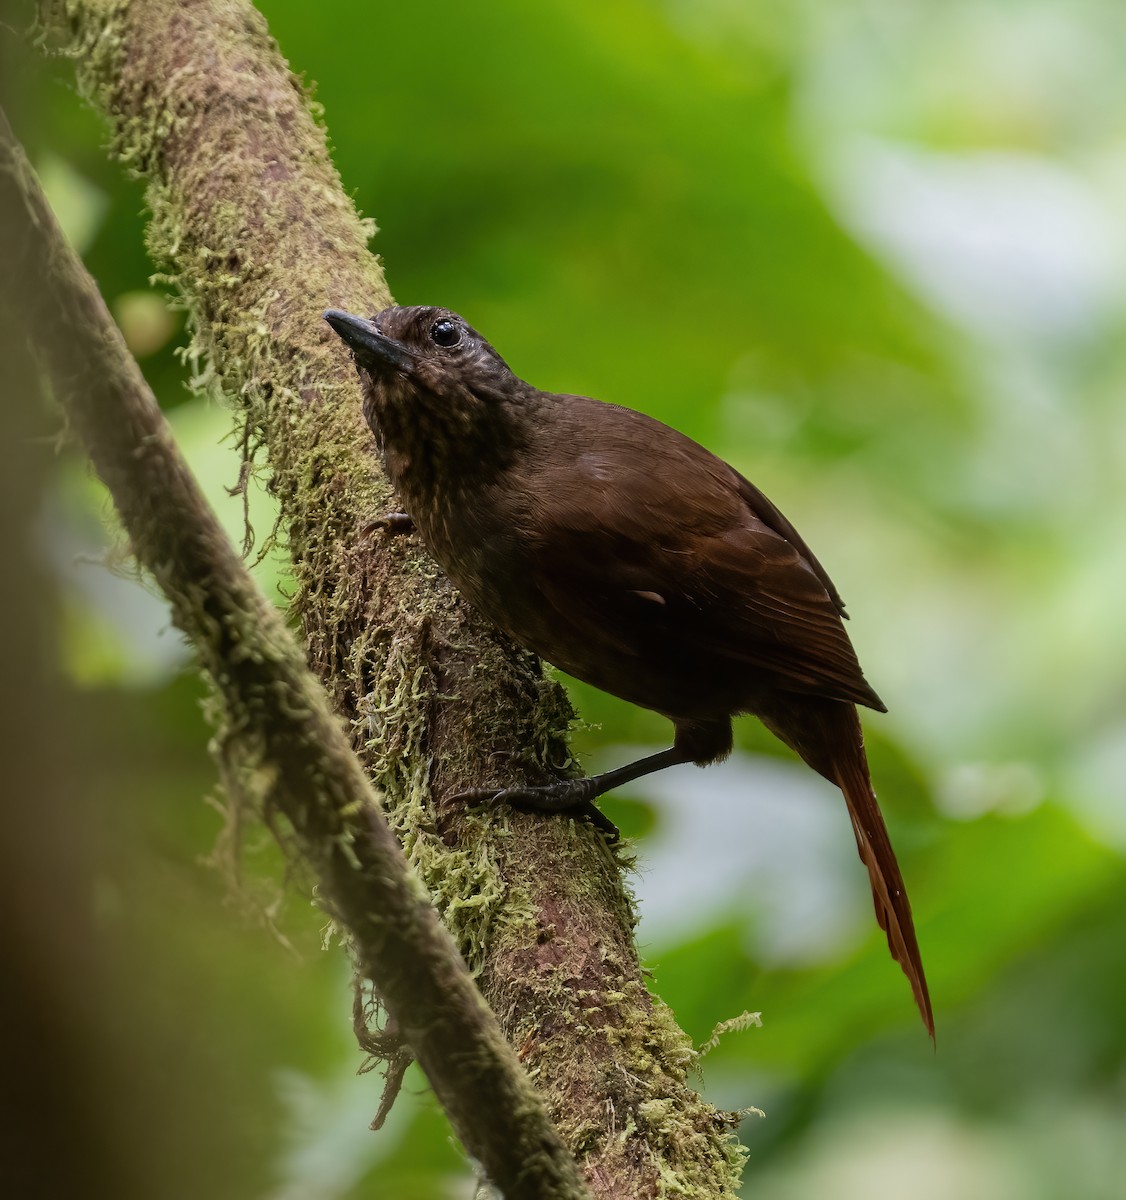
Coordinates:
(445,333)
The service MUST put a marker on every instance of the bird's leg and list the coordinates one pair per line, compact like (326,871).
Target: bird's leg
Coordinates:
(575,794)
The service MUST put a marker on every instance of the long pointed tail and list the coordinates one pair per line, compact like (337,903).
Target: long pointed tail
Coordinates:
(889,893)
(827,734)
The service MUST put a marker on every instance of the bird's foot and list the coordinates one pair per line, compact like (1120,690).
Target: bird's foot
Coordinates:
(390,523)
(574,796)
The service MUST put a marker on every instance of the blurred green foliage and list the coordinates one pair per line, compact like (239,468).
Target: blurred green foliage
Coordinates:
(870,252)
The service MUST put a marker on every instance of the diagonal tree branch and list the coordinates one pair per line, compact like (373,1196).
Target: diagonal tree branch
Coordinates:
(257,237)
(306,772)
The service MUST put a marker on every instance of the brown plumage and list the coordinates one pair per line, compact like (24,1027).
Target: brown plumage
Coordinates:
(630,557)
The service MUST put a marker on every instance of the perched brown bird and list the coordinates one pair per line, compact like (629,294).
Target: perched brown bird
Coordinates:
(630,557)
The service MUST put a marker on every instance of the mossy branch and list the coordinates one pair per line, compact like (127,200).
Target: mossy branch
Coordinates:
(304,770)
(256,236)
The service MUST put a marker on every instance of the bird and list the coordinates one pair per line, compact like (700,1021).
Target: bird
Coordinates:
(630,557)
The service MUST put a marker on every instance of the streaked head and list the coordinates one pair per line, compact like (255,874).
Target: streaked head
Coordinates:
(433,386)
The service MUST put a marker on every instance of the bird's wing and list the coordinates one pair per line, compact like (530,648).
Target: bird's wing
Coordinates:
(766,605)
(770,515)
(666,541)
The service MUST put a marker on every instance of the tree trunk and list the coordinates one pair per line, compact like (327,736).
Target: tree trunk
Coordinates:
(257,237)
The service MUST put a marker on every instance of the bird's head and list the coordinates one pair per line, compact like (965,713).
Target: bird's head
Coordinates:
(429,379)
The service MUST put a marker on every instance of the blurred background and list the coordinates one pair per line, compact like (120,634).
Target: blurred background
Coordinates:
(873,253)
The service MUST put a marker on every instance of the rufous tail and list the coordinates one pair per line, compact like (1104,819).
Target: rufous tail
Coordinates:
(827,734)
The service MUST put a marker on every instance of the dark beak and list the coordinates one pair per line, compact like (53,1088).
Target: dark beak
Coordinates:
(373,350)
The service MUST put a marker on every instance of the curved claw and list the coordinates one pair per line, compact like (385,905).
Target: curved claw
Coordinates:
(555,797)
(565,795)
(390,523)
